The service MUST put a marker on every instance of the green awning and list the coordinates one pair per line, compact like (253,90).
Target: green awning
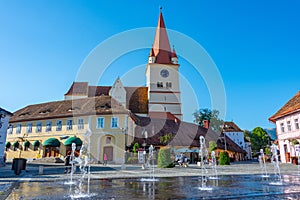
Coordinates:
(26,144)
(36,143)
(8,145)
(16,144)
(71,140)
(53,142)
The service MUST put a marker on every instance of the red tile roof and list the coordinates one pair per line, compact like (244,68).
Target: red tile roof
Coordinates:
(231,127)
(136,97)
(161,45)
(293,105)
(184,133)
(100,105)
(78,88)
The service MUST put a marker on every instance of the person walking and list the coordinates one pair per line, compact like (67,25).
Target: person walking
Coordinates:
(67,163)
(104,159)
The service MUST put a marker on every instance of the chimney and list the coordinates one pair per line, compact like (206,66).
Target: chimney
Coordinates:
(206,123)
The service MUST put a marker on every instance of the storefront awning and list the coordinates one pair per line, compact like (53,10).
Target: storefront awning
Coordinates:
(16,144)
(36,143)
(26,144)
(8,145)
(186,150)
(71,140)
(53,142)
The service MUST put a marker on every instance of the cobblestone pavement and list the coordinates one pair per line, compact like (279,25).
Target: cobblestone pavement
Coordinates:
(55,172)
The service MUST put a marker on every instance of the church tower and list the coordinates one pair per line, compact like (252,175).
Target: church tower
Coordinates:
(162,74)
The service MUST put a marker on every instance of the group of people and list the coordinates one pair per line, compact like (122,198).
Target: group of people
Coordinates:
(183,161)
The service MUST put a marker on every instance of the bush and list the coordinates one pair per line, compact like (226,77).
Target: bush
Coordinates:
(224,158)
(164,158)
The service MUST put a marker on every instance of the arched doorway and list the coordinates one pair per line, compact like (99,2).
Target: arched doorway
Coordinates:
(109,151)
(51,147)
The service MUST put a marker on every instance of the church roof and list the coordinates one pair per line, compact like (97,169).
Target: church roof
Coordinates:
(161,45)
(293,105)
(100,105)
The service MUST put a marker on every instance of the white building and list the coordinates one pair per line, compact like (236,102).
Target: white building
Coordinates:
(287,125)
(231,130)
(4,119)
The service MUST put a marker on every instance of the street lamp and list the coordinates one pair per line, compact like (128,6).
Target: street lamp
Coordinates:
(224,138)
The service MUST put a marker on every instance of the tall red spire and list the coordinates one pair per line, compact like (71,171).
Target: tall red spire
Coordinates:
(161,45)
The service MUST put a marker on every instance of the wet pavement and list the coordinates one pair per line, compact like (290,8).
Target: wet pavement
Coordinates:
(55,172)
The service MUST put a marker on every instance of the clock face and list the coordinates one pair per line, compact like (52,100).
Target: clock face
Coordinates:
(164,73)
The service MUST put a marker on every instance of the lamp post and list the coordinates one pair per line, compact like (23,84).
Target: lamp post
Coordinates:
(124,131)
(224,138)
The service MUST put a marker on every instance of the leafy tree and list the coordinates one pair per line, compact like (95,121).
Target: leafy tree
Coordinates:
(212,146)
(164,158)
(166,138)
(224,158)
(259,139)
(211,115)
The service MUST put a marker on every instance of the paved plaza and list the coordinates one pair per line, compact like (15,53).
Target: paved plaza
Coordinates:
(55,172)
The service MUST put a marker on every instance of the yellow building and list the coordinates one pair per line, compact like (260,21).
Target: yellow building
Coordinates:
(48,129)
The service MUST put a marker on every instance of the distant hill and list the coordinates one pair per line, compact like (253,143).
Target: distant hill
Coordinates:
(271,132)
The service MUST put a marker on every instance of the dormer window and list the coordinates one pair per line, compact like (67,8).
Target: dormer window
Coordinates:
(73,109)
(24,114)
(45,111)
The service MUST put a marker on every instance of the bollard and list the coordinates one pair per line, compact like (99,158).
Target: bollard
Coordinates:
(41,169)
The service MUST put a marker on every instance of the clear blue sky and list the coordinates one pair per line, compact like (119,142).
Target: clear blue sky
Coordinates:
(255,45)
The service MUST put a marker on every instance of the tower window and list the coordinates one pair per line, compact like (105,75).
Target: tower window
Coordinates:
(160,84)
(169,85)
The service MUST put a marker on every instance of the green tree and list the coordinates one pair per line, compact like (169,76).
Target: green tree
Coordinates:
(166,138)
(224,158)
(212,146)
(164,158)
(259,139)
(212,115)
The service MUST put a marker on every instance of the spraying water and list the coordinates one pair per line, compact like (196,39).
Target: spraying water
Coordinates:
(214,166)
(262,163)
(150,165)
(85,168)
(203,154)
(275,162)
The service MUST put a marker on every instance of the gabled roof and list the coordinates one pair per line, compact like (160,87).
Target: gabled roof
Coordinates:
(100,105)
(183,133)
(161,45)
(293,105)
(78,88)
(136,97)
(5,112)
(231,127)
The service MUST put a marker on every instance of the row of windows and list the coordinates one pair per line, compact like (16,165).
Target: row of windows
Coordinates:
(289,126)
(69,125)
(161,85)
